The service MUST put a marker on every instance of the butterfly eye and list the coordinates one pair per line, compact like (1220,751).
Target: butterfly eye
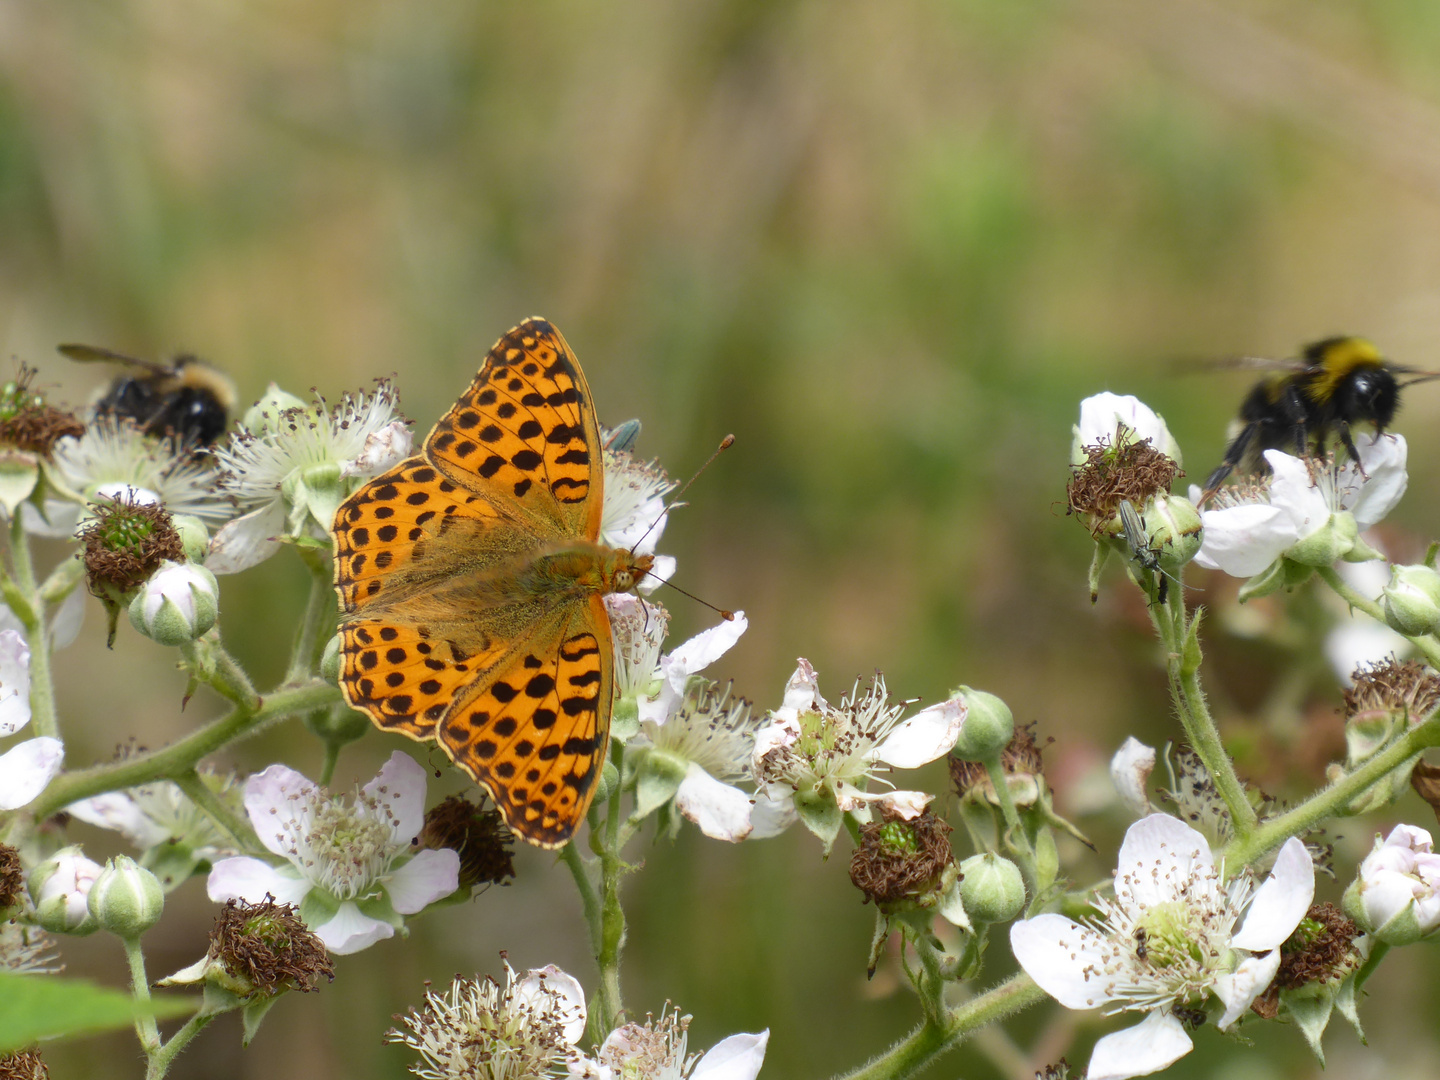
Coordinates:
(624,581)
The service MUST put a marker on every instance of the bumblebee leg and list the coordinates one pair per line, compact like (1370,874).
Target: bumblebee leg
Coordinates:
(1234,454)
(1349,445)
(1292,407)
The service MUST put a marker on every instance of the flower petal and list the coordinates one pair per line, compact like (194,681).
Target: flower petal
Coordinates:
(1158,861)
(738,1057)
(68,618)
(14,682)
(927,735)
(702,650)
(772,813)
(244,878)
(118,811)
(552,988)
(1155,1043)
(1281,902)
(721,811)
(1383,458)
(277,800)
(248,540)
(26,770)
(400,787)
(429,876)
(802,692)
(1243,540)
(1240,988)
(1062,957)
(1102,415)
(350,930)
(1130,770)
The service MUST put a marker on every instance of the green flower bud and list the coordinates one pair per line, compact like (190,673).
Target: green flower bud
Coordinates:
(330,662)
(988,728)
(991,888)
(59,888)
(1333,540)
(194,536)
(1172,526)
(1412,600)
(609,778)
(126,899)
(177,605)
(264,416)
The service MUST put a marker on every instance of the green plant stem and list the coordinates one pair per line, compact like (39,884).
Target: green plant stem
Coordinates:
(184,754)
(332,758)
(146,1030)
(931,987)
(912,1054)
(1426,643)
(1377,953)
(612,915)
(318,620)
(1332,800)
(233,825)
(211,663)
(589,898)
(31,614)
(1020,844)
(1182,665)
(163,1058)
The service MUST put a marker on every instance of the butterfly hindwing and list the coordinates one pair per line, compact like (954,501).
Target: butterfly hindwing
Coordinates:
(524,435)
(534,730)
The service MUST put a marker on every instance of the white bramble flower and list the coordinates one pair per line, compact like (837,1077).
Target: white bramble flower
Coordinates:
(479,1030)
(292,474)
(114,459)
(60,890)
(1309,510)
(1130,771)
(26,769)
(707,740)
(1107,418)
(157,813)
(177,604)
(26,950)
(655,1050)
(814,760)
(634,513)
(351,870)
(1166,942)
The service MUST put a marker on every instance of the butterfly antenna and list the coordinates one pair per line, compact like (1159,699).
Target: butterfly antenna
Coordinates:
(725,444)
(728,616)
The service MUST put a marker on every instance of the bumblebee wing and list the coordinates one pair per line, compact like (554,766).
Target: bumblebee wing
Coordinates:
(93,353)
(1240,363)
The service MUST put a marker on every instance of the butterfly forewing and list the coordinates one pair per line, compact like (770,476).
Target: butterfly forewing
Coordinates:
(524,437)
(530,730)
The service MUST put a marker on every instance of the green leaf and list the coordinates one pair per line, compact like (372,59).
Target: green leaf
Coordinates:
(35,1007)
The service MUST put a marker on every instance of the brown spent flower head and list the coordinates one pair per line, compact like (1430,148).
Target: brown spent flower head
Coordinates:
(267,946)
(26,1065)
(1021,756)
(1130,469)
(900,860)
(12,877)
(27,422)
(1390,686)
(125,543)
(477,834)
(1320,950)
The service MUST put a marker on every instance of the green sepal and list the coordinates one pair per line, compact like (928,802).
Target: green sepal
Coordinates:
(19,473)
(1311,1014)
(172,863)
(657,779)
(1097,563)
(1269,580)
(252,1013)
(625,719)
(878,938)
(1190,652)
(821,814)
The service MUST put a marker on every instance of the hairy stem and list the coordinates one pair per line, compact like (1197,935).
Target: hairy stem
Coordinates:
(912,1054)
(612,915)
(31,613)
(318,622)
(235,827)
(162,1059)
(184,754)
(146,1029)
(1426,643)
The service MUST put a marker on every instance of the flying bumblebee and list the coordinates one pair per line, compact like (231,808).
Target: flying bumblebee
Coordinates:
(186,399)
(1305,403)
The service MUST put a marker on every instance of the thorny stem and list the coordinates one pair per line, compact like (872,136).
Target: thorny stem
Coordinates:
(235,827)
(1426,643)
(319,618)
(912,1054)
(183,754)
(1332,800)
(31,613)
(1183,667)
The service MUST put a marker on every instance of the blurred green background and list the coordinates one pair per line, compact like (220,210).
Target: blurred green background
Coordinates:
(889,246)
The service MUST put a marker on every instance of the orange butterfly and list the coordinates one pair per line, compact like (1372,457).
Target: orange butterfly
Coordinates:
(473,588)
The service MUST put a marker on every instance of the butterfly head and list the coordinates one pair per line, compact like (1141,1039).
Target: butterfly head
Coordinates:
(627,571)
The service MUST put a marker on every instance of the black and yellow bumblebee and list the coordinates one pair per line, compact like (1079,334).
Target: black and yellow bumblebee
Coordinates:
(186,399)
(1304,404)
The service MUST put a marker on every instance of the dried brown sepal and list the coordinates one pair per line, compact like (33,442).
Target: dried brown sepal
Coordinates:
(125,543)
(1425,779)
(26,1065)
(477,833)
(1393,686)
(899,860)
(12,877)
(1022,755)
(267,946)
(1112,473)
